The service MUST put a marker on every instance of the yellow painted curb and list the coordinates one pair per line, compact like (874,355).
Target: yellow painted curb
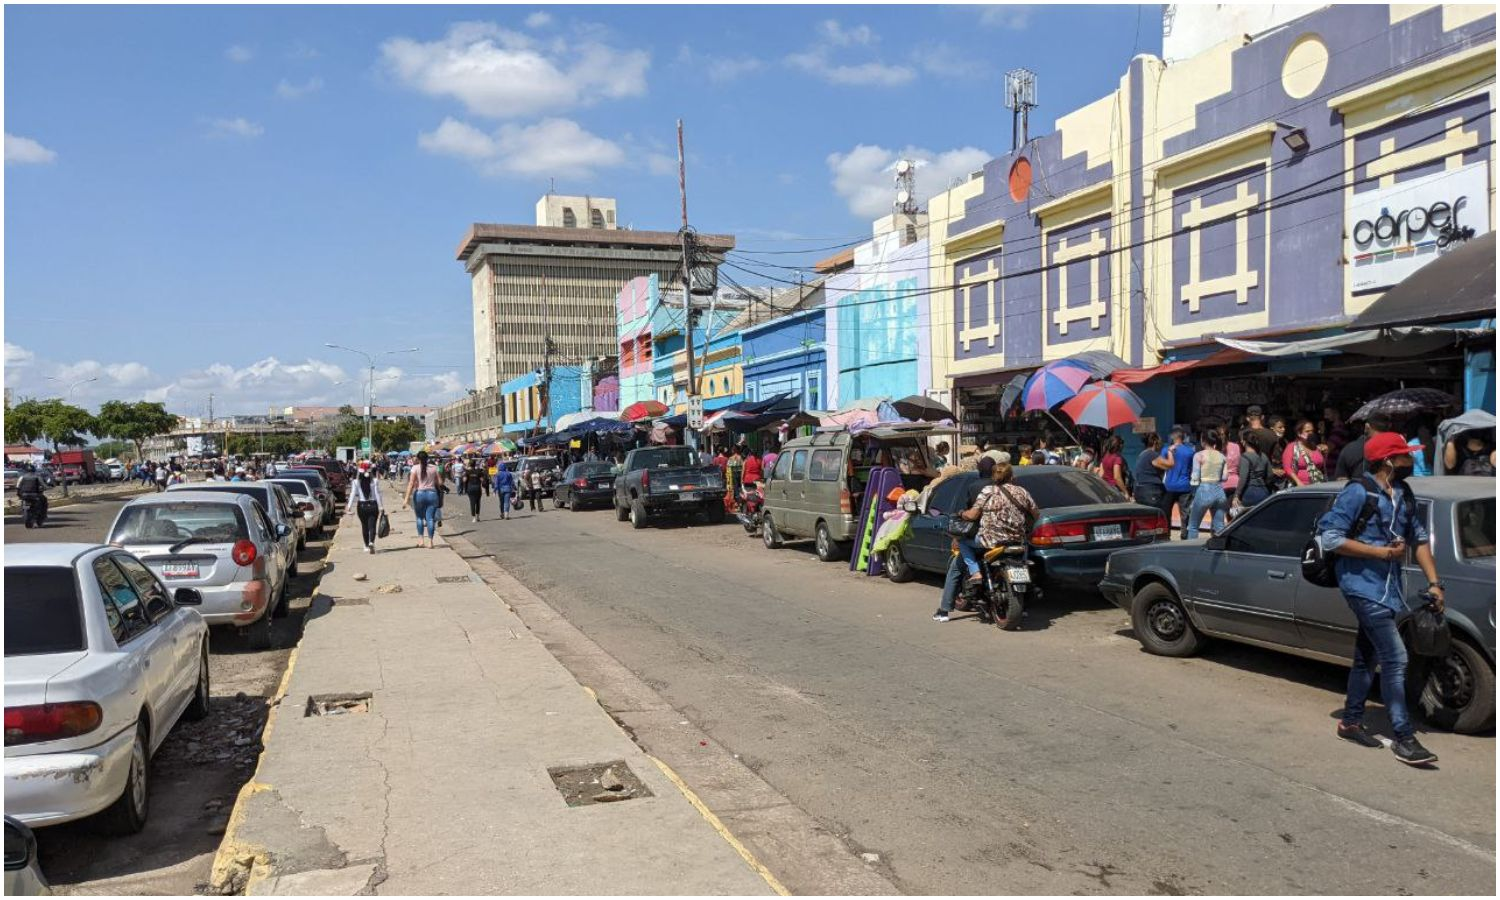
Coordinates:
(723,831)
(232,854)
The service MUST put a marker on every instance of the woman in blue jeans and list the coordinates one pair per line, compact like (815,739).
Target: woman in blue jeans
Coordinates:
(422,489)
(1210,467)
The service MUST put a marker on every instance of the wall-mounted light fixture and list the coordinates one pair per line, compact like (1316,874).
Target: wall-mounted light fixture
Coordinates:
(1294,137)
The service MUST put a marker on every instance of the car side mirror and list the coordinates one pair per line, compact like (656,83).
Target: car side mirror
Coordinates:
(282,529)
(1217,542)
(187,597)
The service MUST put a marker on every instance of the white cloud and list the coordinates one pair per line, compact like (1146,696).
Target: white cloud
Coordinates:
(722,70)
(947,61)
(1011,17)
(818,59)
(505,74)
(236,127)
(863,176)
(538,19)
(661,164)
(25,151)
(250,389)
(550,147)
(289,91)
(239,53)
(302,50)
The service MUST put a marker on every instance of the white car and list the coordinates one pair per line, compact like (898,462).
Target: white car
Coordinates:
(101,660)
(306,502)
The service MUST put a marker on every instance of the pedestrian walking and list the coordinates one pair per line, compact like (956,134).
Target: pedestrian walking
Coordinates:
(160,475)
(473,487)
(1176,465)
(534,488)
(505,488)
(422,495)
(1207,479)
(1369,555)
(366,502)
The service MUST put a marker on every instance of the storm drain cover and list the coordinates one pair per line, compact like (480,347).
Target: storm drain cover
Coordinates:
(454,579)
(338,704)
(609,782)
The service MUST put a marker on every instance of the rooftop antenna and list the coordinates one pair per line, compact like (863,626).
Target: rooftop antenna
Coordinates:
(1020,99)
(906,187)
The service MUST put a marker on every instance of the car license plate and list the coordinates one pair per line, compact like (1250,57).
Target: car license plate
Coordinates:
(1108,533)
(603,484)
(179,570)
(1017,575)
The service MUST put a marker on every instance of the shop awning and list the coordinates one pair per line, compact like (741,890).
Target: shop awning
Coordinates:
(1220,358)
(1386,342)
(1458,285)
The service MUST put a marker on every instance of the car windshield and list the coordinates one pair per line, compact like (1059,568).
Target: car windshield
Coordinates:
(585,470)
(42,612)
(542,462)
(661,457)
(294,486)
(169,523)
(1476,528)
(1066,487)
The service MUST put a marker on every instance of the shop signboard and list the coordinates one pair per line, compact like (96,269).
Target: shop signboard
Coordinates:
(194,445)
(1391,232)
(1145,425)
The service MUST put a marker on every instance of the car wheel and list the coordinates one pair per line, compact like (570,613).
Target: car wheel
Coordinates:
(292,572)
(1456,692)
(1161,622)
(557,501)
(829,550)
(768,533)
(258,633)
(127,815)
(715,513)
(573,507)
(283,601)
(198,709)
(638,517)
(621,513)
(897,569)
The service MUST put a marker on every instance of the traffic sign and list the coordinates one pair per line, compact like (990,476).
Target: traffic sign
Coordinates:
(364,446)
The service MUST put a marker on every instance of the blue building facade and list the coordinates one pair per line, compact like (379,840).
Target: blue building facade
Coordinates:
(788,356)
(521,398)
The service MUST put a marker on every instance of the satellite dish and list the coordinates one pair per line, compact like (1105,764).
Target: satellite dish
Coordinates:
(903,197)
(903,167)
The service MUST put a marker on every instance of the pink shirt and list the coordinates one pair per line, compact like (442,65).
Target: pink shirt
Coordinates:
(1232,460)
(1296,459)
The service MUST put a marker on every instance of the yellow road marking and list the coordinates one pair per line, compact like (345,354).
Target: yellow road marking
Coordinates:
(719,826)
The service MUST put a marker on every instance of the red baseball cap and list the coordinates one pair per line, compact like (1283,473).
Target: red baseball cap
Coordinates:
(1386,444)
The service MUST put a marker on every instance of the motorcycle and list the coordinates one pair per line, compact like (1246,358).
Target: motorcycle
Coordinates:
(752,507)
(34,510)
(1005,587)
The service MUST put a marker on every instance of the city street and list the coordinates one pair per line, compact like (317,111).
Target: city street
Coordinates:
(200,767)
(1059,759)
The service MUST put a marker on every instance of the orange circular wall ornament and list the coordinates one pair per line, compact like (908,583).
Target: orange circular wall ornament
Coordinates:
(1020,179)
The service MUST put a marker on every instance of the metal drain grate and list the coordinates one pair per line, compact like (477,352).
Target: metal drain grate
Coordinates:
(338,704)
(351,601)
(454,579)
(608,782)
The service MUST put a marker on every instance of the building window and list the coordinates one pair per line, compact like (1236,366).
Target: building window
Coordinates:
(814,390)
(569,220)
(596,218)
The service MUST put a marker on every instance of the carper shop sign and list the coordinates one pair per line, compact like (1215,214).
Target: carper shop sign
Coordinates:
(1392,232)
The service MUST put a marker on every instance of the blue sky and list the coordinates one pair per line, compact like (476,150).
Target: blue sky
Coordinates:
(222,190)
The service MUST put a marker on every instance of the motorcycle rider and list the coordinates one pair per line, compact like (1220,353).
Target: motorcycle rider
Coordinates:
(1004,511)
(30,489)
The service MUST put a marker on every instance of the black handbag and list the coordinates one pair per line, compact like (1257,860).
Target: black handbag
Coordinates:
(961,528)
(383,527)
(1430,635)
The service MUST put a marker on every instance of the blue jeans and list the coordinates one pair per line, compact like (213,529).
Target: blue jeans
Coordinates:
(1378,642)
(1207,496)
(1253,495)
(505,502)
(952,584)
(424,504)
(969,552)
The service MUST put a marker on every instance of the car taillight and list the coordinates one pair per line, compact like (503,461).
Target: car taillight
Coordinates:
(1148,526)
(1054,533)
(846,501)
(645,479)
(580,482)
(243,553)
(50,721)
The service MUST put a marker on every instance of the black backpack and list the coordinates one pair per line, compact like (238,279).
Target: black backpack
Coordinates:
(1317,564)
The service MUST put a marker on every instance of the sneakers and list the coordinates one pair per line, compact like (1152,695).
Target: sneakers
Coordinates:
(940,616)
(1412,753)
(1357,734)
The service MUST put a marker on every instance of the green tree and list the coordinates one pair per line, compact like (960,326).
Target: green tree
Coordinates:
(23,422)
(274,444)
(59,422)
(134,422)
(115,449)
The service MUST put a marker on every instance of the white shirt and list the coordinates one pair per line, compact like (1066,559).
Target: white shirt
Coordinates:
(356,494)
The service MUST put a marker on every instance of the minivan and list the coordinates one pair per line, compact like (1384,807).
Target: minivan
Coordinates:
(817,486)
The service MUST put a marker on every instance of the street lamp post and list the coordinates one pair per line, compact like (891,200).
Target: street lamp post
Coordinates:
(67,397)
(370,391)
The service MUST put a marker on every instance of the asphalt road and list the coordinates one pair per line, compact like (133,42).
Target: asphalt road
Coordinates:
(198,770)
(1061,759)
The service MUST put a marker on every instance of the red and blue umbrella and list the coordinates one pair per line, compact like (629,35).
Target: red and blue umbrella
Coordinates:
(1054,383)
(1104,404)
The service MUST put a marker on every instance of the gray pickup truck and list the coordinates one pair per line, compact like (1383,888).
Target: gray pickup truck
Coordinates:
(667,481)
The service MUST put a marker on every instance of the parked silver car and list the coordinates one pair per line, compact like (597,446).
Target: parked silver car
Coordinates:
(220,544)
(1246,585)
(306,501)
(277,505)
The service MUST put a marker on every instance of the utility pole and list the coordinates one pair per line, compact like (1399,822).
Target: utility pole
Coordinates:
(687,270)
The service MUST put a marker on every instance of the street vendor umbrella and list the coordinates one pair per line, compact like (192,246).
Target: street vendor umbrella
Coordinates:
(1405,402)
(918,408)
(1054,383)
(643,409)
(1104,404)
(1012,392)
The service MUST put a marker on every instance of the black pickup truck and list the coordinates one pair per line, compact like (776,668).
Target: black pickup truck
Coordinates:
(667,481)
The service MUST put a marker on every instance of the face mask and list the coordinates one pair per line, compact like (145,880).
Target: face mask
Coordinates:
(1401,473)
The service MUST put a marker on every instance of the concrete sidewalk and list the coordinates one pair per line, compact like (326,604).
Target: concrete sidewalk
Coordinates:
(438,782)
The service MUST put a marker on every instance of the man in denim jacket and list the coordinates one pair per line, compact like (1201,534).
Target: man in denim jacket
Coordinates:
(1368,566)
